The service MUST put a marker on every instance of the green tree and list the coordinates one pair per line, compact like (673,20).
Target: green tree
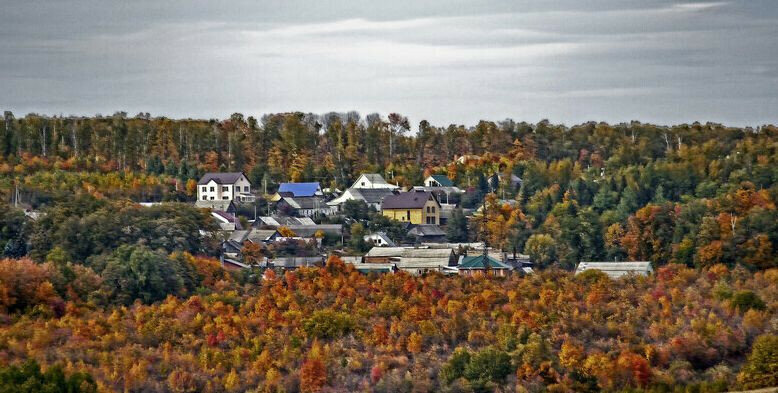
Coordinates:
(28,378)
(761,369)
(456,230)
(541,249)
(487,366)
(136,272)
(454,368)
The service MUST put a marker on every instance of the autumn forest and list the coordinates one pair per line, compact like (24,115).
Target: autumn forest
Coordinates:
(100,294)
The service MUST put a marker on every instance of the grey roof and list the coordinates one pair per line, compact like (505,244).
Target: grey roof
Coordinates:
(239,235)
(407,200)
(305,202)
(371,195)
(616,269)
(427,253)
(385,252)
(426,230)
(276,222)
(310,230)
(221,177)
(260,235)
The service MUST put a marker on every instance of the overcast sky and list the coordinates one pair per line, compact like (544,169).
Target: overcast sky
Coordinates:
(447,61)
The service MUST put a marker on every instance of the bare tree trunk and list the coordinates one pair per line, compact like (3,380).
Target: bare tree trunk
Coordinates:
(75,138)
(43,145)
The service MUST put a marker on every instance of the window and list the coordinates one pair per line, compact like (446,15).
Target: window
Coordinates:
(225,188)
(408,214)
(363,184)
(225,198)
(213,189)
(433,209)
(205,188)
(212,198)
(428,209)
(246,188)
(205,197)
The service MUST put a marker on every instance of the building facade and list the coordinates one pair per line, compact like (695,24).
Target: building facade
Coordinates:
(224,186)
(415,207)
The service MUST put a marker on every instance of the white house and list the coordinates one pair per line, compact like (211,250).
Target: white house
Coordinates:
(372,180)
(226,186)
(379,239)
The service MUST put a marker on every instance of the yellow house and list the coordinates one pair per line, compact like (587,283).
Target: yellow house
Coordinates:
(416,207)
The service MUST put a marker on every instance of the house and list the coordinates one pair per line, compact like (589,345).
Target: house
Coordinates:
(232,247)
(427,233)
(304,206)
(420,260)
(226,221)
(413,260)
(379,239)
(224,186)
(372,180)
(479,265)
(255,235)
(220,205)
(300,190)
(617,269)
(373,197)
(438,181)
(415,207)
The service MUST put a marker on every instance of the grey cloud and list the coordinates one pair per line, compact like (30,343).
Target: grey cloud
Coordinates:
(446,61)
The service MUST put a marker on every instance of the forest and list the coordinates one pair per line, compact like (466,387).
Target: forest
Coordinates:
(100,294)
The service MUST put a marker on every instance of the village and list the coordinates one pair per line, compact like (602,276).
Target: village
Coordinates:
(376,226)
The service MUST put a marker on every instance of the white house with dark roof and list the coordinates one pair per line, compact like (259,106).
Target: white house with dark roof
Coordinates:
(224,186)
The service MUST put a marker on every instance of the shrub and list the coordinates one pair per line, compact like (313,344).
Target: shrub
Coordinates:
(747,300)
(328,324)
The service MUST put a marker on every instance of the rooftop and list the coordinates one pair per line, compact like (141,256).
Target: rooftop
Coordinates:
(443,180)
(407,200)
(479,262)
(616,269)
(220,177)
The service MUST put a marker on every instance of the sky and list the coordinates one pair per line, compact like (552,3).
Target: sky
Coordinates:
(446,61)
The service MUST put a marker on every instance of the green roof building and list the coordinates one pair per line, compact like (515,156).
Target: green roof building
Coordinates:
(481,264)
